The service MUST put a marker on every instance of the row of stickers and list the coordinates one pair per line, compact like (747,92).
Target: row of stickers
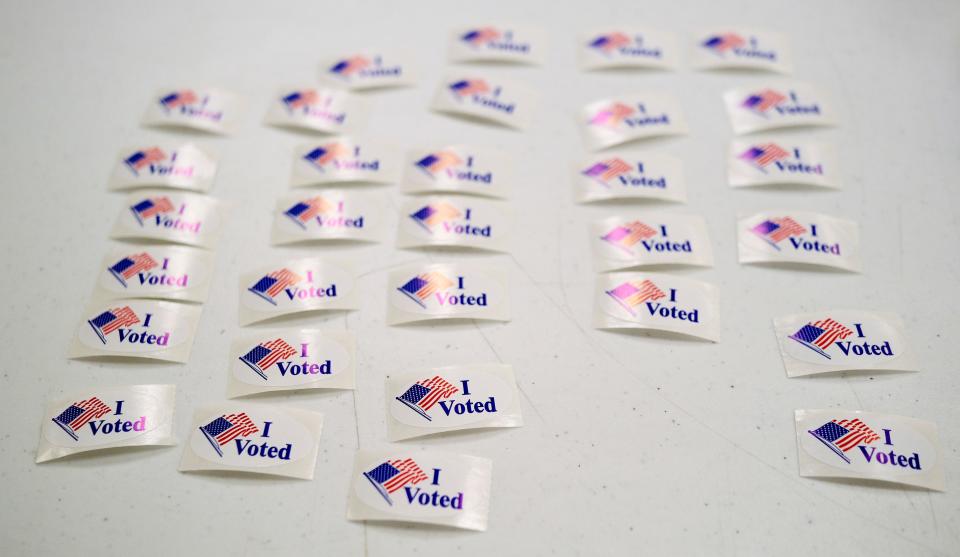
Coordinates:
(605,122)
(486,172)
(429,486)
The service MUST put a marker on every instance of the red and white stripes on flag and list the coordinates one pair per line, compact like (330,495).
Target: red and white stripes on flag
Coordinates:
(410,472)
(787,227)
(831,332)
(285,277)
(242,426)
(439,388)
(859,433)
(93,408)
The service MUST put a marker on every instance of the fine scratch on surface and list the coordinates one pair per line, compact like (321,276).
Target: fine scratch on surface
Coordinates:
(499,359)
(356,425)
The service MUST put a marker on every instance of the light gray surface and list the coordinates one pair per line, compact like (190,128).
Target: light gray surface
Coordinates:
(632,444)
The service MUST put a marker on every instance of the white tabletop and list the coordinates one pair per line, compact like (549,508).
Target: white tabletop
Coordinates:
(632,444)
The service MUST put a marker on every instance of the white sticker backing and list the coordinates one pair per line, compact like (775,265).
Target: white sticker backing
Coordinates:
(657,302)
(290,360)
(255,438)
(421,486)
(451,398)
(497,43)
(498,100)
(610,122)
(163,272)
(178,165)
(630,176)
(456,169)
(742,49)
(136,329)
(765,108)
(866,445)
(182,218)
(343,160)
(447,291)
(327,215)
(799,237)
(769,163)
(107,418)
(320,110)
(621,243)
(210,110)
(460,222)
(368,69)
(843,340)
(628,48)
(296,286)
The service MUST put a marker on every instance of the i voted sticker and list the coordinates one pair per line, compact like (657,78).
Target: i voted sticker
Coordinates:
(497,43)
(107,418)
(163,272)
(321,110)
(180,218)
(870,446)
(625,47)
(497,100)
(431,487)
(451,398)
(447,291)
(799,237)
(610,122)
(456,169)
(657,302)
(255,438)
(296,286)
(209,110)
(781,106)
(621,243)
(777,162)
(367,69)
(343,160)
(327,215)
(290,360)
(630,176)
(454,222)
(742,49)
(136,329)
(176,165)
(843,340)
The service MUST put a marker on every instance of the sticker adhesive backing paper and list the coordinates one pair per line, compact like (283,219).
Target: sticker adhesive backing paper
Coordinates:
(459,169)
(180,218)
(869,446)
(210,110)
(254,438)
(289,360)
(774,162)
(621,243)
(778,106)
(799,237)
(624,47)
(447,291)
(630,176)
(455,222)
(657,302)
(451,398)
(843,340)
(431,487)
(146,329)
(296,286)
(609,122)
(174,165)
(107,418)
(475,96)
(328,215)
(161,272)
